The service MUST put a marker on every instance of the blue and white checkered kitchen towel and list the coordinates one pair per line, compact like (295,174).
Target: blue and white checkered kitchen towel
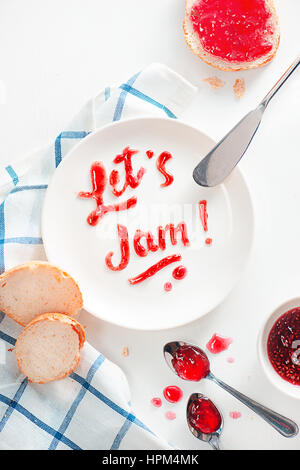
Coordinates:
(90,409)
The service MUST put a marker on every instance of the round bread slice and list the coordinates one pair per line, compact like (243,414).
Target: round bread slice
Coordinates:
(194,42)
(49,347)
(37,287)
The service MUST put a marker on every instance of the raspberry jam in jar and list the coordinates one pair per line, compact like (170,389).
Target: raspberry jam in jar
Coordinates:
(190,363)
(204,416)
(284,346)
(234,30)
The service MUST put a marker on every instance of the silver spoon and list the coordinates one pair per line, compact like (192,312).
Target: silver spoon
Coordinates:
(222,159)
(212,438)
(285,426)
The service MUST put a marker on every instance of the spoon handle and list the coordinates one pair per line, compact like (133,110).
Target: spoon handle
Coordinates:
(285,426)
(214,442)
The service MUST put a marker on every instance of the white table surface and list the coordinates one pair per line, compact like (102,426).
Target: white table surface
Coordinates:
(54,56)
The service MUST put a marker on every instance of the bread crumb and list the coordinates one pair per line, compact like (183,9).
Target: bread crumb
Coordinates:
(239,88)
(214,82)
(125,352)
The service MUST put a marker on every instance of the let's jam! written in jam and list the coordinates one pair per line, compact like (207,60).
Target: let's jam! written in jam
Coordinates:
(150,243)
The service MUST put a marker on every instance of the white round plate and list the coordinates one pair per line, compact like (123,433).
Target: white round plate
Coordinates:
(81,249)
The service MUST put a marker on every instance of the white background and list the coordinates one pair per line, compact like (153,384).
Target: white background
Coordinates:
(54,56)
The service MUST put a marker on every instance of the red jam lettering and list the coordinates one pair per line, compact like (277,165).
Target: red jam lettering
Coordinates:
(130,180)
(139,249)
(125,251)
(154,269)
(203,214)
(150,154)
(160,164)
(99,181)
(150,246)
(181,227)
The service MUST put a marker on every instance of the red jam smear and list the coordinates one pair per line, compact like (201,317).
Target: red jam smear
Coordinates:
(204,416)
(168,286)
(203,214)
(160,164)
(208,241)
(284,346)
(170,415)
(218,344)
(99,181)
(156,401)
(190,363)
(235,414)
(179,273)
(154,269)
(173,394)
(233,30)
(130,180)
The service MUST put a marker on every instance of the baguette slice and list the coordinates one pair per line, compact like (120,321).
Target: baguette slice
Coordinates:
(37,287)
(194,43)
(49,347)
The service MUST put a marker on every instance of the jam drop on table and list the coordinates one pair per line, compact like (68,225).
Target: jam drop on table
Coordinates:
(125,251)
(130,179)
(190,363)
(160,164)
(173,394)
(170,415)
(203,214)
(235,414)
(218,343)
(204,416)
(208,241)
(99,180)
(233,30)
(156,401)
(179,273)
(155,268)
(284,346)
(230,360)
(168,286)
